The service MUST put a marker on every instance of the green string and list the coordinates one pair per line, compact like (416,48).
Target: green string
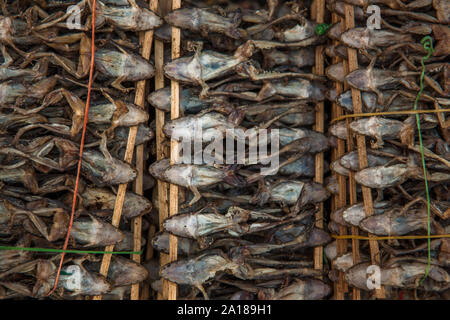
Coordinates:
(427,43)
(321,28)
(68,251)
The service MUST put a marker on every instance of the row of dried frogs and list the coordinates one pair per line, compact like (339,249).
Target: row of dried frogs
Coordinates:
(43,81)
(388,78)
(244,233)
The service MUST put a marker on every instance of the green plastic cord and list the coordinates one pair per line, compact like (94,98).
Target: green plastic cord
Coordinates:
(321,28)
(427,43)
(68,251)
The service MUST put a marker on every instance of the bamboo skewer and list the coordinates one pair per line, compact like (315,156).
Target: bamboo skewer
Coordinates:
(145,295)
(318,14)
(162,151)
(361,143)
(146,42)
(341,199)
(174,149)
(120,197)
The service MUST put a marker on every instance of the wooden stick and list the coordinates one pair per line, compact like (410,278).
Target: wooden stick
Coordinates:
(146,40)
(120,198)
(361,143)
(174,147)
(318,14)
(341,199)
(162,150)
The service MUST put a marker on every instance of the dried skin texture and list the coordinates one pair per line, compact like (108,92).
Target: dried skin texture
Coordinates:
(202,20)
(12,92)
(345,261)
(374,80)
(339,130)
(305,166)
(189,100)
(299,58)
(351,160)
(59,226)
(370,103)
(79,281)
(123,65)
(201,224)
(382,177)
(130,18)
(294,192)
(297,33)
(336,72)
(207,66)
(354,214)
(101,198)
(124,272)
(45,278)
(188,175)
(92,232)
(211,124)
(403,275)
(304,239)
(106,170)
(364,38)
(395,223)
(186,247)
(197,270)
(378,128)
(12,258)
(308,289)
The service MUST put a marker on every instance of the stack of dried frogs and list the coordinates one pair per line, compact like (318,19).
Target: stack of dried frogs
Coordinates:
(44,76)
(388,78)
(244,233)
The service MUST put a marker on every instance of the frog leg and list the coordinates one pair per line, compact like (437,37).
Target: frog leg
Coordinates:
(197,197)
(278,117)
(3,6)
(7,59)
(22,268)
(75,103)
(12,45)
(51,23)
(61,61)
(202,290)
(104,149)
(121,109)
(118,84)
(265,92)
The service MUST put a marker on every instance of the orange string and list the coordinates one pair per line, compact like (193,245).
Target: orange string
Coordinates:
(86,110)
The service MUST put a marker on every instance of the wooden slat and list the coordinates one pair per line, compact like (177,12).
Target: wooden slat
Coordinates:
(361,142)
(174,114)
(318,14)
